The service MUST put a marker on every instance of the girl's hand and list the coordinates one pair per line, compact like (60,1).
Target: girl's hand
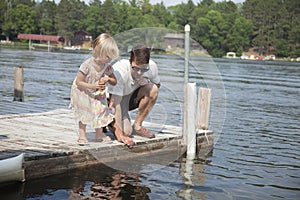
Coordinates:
(101,83)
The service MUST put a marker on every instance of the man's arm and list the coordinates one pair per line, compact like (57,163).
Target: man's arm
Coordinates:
(115,101)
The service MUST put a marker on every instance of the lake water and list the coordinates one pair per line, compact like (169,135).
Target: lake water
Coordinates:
(255,113)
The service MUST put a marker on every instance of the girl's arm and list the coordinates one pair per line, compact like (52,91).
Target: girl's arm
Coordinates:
(80,82)
(112,79)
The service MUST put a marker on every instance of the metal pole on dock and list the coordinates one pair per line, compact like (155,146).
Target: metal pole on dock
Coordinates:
(186,79)
(189,128)
(18,84)
(186,52)
(191,115)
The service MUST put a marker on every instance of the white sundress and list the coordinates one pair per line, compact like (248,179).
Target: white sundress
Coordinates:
(90,108)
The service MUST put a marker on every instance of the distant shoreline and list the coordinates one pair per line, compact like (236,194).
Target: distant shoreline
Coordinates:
(177,51)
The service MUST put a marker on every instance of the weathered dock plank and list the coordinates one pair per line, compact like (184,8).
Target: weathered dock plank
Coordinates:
(48,140)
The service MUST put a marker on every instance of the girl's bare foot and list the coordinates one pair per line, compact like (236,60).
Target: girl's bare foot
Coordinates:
(82,141)
(99,134)
(101,137)
(82,138)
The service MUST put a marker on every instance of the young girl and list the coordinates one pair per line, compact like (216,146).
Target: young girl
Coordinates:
(88,96)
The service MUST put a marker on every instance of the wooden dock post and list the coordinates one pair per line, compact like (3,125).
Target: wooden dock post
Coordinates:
(203,108)
(18,84)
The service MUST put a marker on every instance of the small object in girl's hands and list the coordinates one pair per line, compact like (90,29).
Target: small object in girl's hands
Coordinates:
(99,92)
(102,81)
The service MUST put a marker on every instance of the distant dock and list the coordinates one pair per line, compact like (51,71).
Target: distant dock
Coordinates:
(48,140)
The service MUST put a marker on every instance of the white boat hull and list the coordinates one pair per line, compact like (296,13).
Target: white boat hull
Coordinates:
(12,169)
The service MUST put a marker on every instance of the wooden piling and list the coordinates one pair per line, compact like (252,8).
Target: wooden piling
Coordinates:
(203,108)
(18,84)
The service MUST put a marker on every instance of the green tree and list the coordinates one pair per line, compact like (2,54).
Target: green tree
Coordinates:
(108,15)
(146,7)
(133,18)
(229,13)
(93,20)
(21,20)
(268,22)
(45,15)
(239,37)
(3,12)
(206,3)
(69,18)
(271,25)
(174,26)
(202,29)
(182,13)
(294,36)
(211,28)
(293,8)
(162,14)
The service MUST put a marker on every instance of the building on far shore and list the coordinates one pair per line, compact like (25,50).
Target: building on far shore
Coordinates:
(174,43)
(42,40)
(174,40)
(81,39)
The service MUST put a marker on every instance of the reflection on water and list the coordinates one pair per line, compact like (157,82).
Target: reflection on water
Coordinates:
(99,182)
(102,182)
(256,155)
(119,185)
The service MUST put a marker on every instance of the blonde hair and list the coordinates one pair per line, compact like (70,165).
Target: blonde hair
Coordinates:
(105,46)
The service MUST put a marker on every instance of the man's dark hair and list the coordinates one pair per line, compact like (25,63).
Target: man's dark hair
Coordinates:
(140,54)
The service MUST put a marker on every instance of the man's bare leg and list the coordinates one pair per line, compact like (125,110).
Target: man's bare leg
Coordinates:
(148,95)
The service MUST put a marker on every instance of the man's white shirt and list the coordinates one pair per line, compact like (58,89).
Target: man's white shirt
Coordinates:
(125,83)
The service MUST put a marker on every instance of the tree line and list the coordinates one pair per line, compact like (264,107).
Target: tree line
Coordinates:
(270,26)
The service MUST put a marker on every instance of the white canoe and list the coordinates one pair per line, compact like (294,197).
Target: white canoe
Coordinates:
(12,169)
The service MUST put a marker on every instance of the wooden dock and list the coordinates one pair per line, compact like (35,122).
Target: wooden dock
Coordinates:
(48,140)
